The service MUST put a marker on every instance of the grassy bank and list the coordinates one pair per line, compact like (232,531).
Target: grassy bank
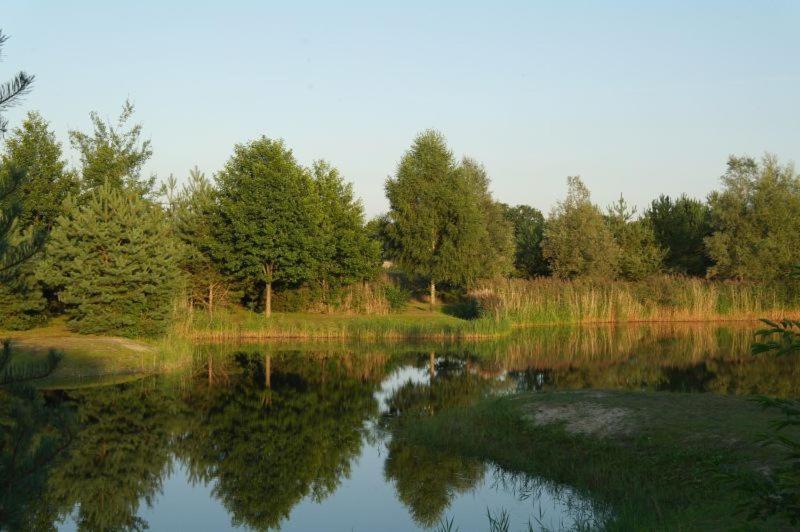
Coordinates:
(414,323)
(648,461)
(663,298)
(92,359)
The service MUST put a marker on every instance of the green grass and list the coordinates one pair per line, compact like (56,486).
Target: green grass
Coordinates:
(413,323)
(660,466)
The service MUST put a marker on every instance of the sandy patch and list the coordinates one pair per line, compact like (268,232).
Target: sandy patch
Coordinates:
(585,418)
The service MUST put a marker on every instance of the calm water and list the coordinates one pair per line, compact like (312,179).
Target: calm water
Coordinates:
(299,437)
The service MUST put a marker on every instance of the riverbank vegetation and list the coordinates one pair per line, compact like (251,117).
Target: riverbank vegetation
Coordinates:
(676,449)
(103,247)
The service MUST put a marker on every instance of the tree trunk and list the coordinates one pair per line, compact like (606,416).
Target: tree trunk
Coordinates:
(267,371)
(211,300)
(268,274)
(433,294)
(268,300)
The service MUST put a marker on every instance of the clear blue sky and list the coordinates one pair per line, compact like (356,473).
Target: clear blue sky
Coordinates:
(637,97)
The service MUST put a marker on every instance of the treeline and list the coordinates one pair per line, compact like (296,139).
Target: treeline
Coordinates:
(121,252)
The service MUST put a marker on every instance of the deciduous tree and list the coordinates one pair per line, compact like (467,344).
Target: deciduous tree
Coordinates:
(268,218)
(113,154)
(756,218)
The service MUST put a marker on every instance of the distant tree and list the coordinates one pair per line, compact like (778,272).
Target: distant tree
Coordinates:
(577,241)
(115,264)
(756,220)
(436,213)
(528,227)
(640,255)
(268,218)
(193,212)
(680,227)
(380,230)
(348,254)
(113,154)
(32,149)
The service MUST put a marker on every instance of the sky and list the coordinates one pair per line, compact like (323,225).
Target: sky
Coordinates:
(638,98)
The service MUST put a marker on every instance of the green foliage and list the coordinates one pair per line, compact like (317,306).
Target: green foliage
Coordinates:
(528,224)
(114,262)
(494,256)
(32,150)
(10,91)
(681,227)
(397,296)
(113,154)
(12,179)
(577,241)
(444,226)
(756,219)
(640,255)
(347,254)
(268,218)
(193,212)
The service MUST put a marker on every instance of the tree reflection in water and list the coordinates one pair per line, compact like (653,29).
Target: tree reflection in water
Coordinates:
(268,427)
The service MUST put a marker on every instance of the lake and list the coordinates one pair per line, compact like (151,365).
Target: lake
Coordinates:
(300,436)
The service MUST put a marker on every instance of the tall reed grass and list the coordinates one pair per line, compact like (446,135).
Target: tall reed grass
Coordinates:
(664,298)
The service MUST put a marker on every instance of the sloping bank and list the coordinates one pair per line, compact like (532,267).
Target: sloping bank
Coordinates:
(652,461)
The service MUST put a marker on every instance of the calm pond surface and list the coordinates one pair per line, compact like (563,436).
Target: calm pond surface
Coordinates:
(299,437)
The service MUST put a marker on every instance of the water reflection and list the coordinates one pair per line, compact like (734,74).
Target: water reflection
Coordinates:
(268,428)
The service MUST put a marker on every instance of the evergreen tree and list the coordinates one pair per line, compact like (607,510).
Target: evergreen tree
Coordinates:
(640,255)
(32,148)
(194,211)
(348,254)
(115,264)
(436,215)
(528,227)
(268,218)
(756,219)
(680,227)
(577,240)
(113,154)
(12,254)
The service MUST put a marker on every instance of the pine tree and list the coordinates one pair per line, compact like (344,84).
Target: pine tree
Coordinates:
(114,263)
(194,210)
(528,227)
(680,227)
(640,255)
(577,240)
(268,218)
(13,254)
(32,148)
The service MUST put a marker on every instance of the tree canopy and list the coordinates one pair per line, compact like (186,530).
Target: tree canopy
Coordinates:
(756,219)
(577,241)
(114,263)
(268,219)
(680,227)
